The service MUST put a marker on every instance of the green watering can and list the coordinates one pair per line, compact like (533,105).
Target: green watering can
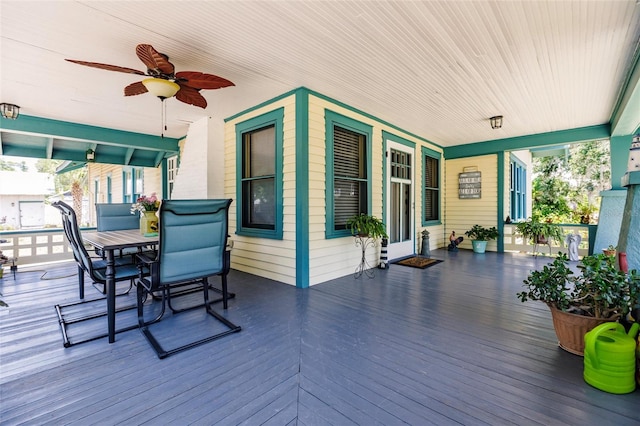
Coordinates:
(610,359)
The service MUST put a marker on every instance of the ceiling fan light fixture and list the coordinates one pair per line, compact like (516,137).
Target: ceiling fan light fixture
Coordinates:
(160,87)
(9,111)
(496,122)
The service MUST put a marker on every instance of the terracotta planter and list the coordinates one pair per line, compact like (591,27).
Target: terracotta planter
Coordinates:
(571,328)
(611,253)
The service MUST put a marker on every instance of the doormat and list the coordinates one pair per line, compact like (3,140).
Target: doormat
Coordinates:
(419,262)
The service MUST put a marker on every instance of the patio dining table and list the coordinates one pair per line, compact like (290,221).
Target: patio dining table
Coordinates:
(109,242)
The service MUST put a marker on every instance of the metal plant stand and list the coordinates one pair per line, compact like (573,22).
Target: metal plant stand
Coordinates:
(364,267)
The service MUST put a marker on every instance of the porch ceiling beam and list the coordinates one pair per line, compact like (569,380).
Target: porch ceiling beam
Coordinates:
(601,131)
(49,149)
(128,156)
(625,119)
(73,131)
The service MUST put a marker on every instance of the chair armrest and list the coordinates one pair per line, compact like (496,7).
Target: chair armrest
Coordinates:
(145,258)
(148,281)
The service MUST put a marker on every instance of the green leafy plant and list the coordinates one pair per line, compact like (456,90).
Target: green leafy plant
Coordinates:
(533,230)
(600,291)
(367,225)
(481,233)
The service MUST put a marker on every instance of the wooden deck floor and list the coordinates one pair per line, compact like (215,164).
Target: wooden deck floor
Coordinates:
(450,344)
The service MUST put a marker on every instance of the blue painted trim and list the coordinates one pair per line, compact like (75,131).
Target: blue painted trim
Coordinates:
(592,238)
(426,152)
(65,129)
(619,157)
(337,103)
(124,186)
(109,189)
(164,179)
(275,118)
(501,191)
(302,188)
(332,119)
(625,118)
(601,131)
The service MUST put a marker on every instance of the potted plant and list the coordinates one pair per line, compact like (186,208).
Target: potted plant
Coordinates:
(480,235)
(365,225)
(367,229)
(610,251)
(539,232)
(600,293)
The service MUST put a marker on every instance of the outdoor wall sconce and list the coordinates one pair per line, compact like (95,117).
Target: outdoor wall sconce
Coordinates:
(496,122)
(91,155)
(9,111)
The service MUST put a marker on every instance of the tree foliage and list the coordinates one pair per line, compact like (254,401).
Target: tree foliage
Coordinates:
(13,166)
(63,182)
(567,189)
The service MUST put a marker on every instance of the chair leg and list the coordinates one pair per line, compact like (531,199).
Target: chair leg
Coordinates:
(141,297)
(225,295)
(163,353)
(81,282)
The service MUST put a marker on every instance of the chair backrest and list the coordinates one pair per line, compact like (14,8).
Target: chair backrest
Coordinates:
(193,239)
(115,217)
(72,232)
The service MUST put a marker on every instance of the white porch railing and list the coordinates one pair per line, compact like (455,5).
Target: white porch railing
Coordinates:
(515,242)
(49,245)
(35,246)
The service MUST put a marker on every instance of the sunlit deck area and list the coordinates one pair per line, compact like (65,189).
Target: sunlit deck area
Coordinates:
(450,344)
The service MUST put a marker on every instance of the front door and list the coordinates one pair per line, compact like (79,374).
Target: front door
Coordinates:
(399,208)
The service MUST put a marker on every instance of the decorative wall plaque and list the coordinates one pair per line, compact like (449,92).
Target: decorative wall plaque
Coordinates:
(469,185)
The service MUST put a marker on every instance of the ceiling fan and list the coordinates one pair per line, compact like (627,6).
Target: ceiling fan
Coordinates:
(163,81)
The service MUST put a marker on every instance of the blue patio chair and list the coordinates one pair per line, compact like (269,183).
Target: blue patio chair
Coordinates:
(118,217)
(115,217)
(192,248)
(96,269)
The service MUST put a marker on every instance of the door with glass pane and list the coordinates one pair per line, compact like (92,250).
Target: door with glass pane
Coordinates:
(399,209)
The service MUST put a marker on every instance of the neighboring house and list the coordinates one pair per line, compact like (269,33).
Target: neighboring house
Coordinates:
(22,198)
(109,183)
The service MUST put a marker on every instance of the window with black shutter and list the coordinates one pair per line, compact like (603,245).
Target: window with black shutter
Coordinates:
(431,189)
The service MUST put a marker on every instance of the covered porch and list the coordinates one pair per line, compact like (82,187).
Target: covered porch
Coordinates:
(450,344)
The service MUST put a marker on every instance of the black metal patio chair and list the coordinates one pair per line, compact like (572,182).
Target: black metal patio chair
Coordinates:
(192,248)
(118,217)
(126,270)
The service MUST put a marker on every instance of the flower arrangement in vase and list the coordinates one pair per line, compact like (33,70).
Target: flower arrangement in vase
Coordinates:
(148,207)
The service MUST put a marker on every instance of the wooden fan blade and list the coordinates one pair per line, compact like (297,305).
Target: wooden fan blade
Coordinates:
(153,60)
(191,96)
(199,80)
(135,89)
(107,67)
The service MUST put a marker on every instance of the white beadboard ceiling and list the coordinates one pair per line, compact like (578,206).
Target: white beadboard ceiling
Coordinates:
(438,69)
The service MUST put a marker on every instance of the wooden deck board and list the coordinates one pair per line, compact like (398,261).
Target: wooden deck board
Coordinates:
(450,344)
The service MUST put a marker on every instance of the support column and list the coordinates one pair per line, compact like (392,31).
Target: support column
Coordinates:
(629,239)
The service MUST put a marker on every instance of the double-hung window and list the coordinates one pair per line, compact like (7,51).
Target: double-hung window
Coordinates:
(132,181)
(431,186)
(259,166)
(348,171)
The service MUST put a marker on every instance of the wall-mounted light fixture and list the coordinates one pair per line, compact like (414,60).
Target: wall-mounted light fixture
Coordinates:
(91,155)
(496,122)
(9,111)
